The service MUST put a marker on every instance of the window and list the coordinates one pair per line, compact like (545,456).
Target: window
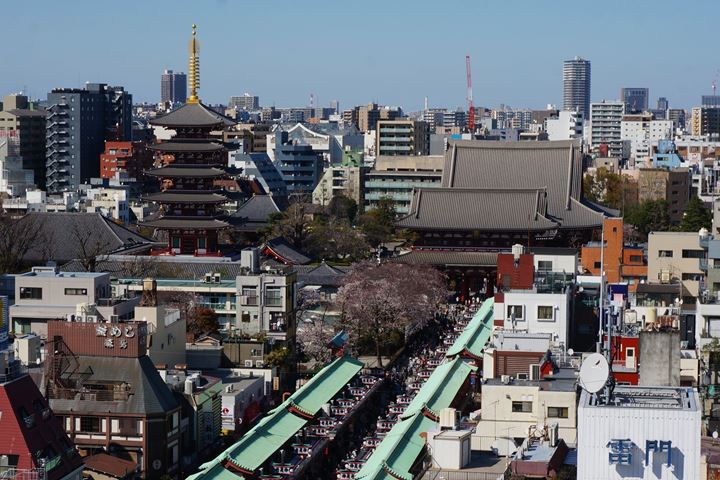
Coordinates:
(596,265)
(31,293)
(636,258)
(665,253)
(523,407)
(545,312)
(76,291)
(273,296)
(693,253)
(89,424)
(545,265)
(557,412)
(692,276)
(516,311)
(128,426)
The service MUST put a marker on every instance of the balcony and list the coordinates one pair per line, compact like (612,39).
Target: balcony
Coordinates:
(220,306)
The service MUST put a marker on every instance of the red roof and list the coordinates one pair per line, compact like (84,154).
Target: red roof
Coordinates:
(28,426)
(109,465)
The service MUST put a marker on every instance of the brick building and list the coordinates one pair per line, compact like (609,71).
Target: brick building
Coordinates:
(125,157)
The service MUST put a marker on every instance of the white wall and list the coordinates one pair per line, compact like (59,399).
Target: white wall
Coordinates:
(560,263)
(597,426)
(530,301)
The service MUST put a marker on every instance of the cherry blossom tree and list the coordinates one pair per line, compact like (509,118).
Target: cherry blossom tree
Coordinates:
(376,300)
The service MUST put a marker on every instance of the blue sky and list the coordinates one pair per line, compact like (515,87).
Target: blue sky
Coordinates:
(394,52)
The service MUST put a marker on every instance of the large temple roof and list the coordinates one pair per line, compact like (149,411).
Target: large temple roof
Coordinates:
(195,171)
(470,209)
(192,115)
(555,167)
(192,223)
(187,146)
(186,197)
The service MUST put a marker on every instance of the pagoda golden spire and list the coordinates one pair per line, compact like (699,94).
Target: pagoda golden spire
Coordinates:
(194,68)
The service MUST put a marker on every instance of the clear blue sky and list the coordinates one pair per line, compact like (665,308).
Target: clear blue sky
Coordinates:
(395,52)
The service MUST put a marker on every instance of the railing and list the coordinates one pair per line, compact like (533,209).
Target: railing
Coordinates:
(219,305)
(11,473)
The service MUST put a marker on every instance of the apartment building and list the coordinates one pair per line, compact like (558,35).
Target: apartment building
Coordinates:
(45,294)
(676,257)
(402,137)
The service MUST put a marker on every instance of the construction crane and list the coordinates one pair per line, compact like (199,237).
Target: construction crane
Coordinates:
(471,107)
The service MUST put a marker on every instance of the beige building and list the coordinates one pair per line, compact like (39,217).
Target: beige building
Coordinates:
(394,177)
(166,334)
(675,257)
(511,409)
(672,186)
(267,303)
(45,294)
(253,136)
(341,180)
(402,137)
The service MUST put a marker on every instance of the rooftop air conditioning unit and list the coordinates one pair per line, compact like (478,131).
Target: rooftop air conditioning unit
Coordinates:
(208,277)
(258,363)
(90,318)
(248,363)
(505,379)
(216,278)
(522,376)
(684,345)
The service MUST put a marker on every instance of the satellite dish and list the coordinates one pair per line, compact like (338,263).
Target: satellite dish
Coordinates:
(594,373)
(715,434)
(571,352)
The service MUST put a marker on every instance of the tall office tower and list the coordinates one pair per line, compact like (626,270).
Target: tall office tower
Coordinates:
(78,123)
(335,105)
(173,87)
(636,99)
(576,85)
(663,104)
(710,101)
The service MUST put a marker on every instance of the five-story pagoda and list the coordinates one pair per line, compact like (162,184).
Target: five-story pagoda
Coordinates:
(188,198)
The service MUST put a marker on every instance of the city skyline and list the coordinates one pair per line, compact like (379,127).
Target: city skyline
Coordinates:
(283,69)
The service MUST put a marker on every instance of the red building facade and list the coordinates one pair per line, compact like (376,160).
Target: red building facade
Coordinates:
(132,158)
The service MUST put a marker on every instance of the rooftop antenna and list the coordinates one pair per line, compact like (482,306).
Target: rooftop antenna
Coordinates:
(426,103)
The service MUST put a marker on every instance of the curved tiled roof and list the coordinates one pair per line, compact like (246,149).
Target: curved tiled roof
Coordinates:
(185,197)
(195,171)
(503,209)
(187,146)
(448,257)
(206,223)
(555,166)
(192,115)
(62,234)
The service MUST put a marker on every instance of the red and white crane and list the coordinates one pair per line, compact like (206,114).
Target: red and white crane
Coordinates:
(471,107)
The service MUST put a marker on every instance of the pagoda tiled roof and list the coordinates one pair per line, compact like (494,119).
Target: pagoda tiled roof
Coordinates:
(192,115)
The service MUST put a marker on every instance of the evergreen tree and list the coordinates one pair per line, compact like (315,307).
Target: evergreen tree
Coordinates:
(696,216)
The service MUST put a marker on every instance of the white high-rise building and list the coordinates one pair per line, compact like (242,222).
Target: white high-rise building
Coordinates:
(576,85)
(605,119)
